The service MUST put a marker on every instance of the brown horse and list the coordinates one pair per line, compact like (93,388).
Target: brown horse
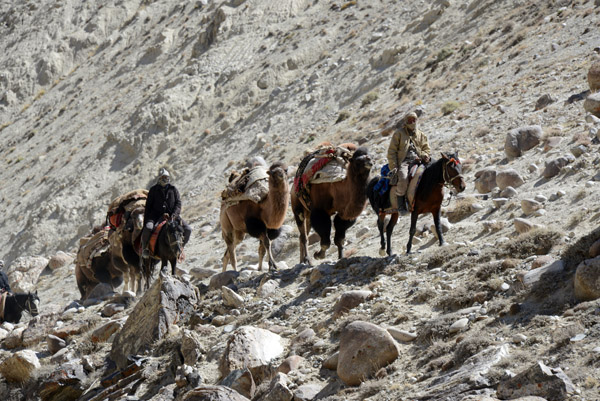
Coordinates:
(428,199)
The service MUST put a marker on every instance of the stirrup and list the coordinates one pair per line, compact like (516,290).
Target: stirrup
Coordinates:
(145,253)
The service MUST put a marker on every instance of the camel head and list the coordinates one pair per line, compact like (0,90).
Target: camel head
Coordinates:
(361,162)
(278,172)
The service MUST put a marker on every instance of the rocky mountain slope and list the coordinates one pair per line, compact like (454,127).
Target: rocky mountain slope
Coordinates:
(94,98)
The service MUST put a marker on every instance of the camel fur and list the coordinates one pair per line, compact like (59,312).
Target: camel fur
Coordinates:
(345,199)
(261,220)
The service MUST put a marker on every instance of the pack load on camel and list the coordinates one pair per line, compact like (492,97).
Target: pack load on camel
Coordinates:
(248,184)
(93,262)
(120,209)
(326,164)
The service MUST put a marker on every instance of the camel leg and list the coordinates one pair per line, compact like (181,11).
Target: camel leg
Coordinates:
(341,226)
(225,259)
(388,231)
(261,254)
(266,245)
(380,224)
(438,228)
(126,281)
(321,222)
(302,217)
(413,228)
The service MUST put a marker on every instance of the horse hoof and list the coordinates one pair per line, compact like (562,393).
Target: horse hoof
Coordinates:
(320,255)
(382,252)
(444,244)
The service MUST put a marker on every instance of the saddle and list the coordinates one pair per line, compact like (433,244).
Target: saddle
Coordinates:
(249,184)
(326,164)
(415,173)
(153,239)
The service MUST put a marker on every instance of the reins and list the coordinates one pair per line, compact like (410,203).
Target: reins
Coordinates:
(448,180)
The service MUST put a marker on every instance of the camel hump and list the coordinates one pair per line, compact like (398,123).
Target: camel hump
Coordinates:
(252,184)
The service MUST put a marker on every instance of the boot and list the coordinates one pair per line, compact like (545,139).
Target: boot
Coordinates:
(402,204)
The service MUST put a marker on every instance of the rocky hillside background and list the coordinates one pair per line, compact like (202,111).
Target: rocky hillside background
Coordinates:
(95,97)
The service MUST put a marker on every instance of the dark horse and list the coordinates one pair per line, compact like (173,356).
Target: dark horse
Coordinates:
(168,248)
(16,303)
(430,193)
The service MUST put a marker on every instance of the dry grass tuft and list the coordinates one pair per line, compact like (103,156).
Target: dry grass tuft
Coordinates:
(463,208)
(578,252)
(450,106)
(534,242)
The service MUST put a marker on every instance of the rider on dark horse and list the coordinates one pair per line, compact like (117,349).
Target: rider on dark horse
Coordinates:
(163,201)
(409,145)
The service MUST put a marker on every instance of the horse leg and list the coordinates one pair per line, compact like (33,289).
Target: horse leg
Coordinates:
(380,227)
(413,228)
(438,229)
(341,226)
(321,222)
(173,263)
(388,231)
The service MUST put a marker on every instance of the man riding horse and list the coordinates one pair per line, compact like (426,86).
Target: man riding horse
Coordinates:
(409,145)
(163,202)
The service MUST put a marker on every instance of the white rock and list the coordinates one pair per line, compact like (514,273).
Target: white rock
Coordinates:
(231,298)
(529,206)
(401,335)
(459,325)
(499,202)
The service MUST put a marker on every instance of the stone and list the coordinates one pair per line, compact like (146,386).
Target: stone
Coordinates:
(59,260)
(201,273)
(499,202)
(485,180)
(167,301)
(231,298)
(278,389)
(508,178)
(445,226)
(522,139)
(459,325)
(595,249)
(350,300)
(529,206)
(552,168)
(593,75)
(364,349)
(290,363)
(401,335)
(534,276)
(307,392)
(304,336)
(331,362)
(223,279)
(241,381)
(55,343)
(519,338)
(112,309)
(191,347)
(24,272)
(252,348)
(587,280)
(103,333)
(539,380)
(14,339)
(267,288)
(543,101)
(213,393)
(37,329)
(592,104)
(542,260)
(522,225)
(20,366)
(508,192)
(64,383)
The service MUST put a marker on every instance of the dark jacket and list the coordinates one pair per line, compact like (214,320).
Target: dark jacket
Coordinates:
(162,200)
(4,286)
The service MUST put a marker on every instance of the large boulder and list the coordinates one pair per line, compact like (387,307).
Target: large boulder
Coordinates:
(19,367)
(592,104)
(594,77)
(485,180)
(214,393)
(522,139)
(364,348)
(67,382)
(350,300)
(167,302)
(24,272)
(539,380)
(587,280)
(508,178)
(252,348)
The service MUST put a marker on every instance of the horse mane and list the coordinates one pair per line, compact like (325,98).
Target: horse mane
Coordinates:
(432,176)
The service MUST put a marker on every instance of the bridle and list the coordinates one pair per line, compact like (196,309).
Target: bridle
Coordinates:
(175,241)
(448,180)
(29,307)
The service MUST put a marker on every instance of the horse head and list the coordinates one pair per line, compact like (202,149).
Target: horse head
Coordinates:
(452,171)
(175,236)
(31,303)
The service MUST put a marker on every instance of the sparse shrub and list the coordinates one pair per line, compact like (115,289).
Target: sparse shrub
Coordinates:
(469,347)
(534,242)
(462,208)
(443,54)
(577,252)
(450,106)
(369,98)
(344,115)
(577,218)
(580,195)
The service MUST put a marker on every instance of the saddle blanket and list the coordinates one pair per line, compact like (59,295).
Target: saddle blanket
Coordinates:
(415,174)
